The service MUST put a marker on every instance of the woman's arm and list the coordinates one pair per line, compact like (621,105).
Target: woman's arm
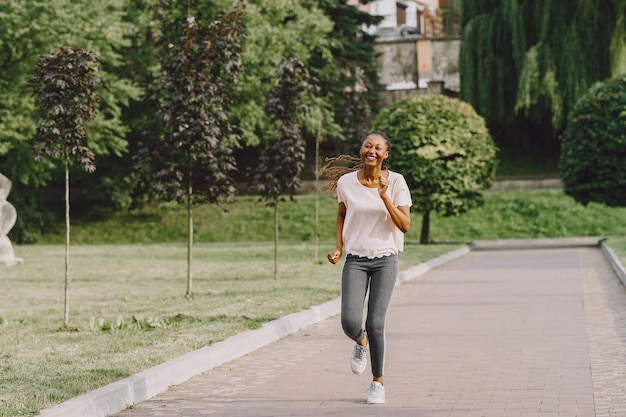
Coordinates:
(335,255)
(401,215)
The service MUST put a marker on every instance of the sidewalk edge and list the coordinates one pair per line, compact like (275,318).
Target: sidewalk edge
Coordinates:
(615,262)
(417,270)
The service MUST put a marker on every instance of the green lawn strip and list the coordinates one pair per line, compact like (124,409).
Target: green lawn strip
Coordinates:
(530,214)
(129,311)
(505,214)
(618,244)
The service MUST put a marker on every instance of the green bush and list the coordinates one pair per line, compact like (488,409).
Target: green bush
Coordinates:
(444,150)
(593,146)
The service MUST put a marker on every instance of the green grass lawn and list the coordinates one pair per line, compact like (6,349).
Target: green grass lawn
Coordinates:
(505,214)
(128,280)
(530,214)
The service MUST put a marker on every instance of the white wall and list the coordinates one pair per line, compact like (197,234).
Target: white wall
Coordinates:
(387,9)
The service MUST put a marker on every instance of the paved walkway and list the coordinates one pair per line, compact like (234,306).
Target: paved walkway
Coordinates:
(503,333)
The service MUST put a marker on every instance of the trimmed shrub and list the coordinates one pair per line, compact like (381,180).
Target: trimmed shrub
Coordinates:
(593,146)
(444,150)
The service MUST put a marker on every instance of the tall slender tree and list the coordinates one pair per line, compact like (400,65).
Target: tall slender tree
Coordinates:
(282,159)
(65,89)
(190,158)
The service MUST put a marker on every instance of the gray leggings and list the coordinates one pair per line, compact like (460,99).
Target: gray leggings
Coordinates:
(379,274)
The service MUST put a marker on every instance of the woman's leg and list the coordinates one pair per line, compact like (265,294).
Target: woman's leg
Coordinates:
(354,282)
(383,280)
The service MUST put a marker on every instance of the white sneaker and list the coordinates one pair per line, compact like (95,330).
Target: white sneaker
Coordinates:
(358,359)
(377,393)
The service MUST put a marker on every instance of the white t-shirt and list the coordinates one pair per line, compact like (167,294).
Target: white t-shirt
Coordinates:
(368,230)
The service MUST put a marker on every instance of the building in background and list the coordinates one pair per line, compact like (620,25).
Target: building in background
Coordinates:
(412,14)
(418,46)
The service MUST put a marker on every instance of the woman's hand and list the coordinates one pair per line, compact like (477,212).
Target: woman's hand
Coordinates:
(334,256)
(383,184)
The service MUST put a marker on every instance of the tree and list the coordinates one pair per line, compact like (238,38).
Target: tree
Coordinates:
(282,159)
(349,79)
(278,29)
(190,158)
(29,29)
(524,64)
(65,91)
(328,36)
(593,146)
(443,149)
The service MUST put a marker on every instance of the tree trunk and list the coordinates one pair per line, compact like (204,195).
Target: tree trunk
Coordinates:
(425,228)
(276,239)
(317,186)
(66,316)
(189,239)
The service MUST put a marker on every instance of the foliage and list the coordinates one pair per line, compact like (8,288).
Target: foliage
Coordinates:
(282,159)
(349,77)
(328,37)
(618,41)
(593,147)
(194,145)
(65,91)
(277,30)
(523,64)
(443,149)
(190,158)
(131,36)
(29,29)
(33,218)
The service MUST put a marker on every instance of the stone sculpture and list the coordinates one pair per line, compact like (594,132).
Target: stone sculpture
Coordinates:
(8,216)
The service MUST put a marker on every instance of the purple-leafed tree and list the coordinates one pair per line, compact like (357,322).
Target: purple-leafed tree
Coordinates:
(65,90)
(190,158)
(282,159)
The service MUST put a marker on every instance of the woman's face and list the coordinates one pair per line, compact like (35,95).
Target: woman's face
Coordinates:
(374,150)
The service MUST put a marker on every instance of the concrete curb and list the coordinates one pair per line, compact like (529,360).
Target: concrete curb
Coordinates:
(542,243)
(137,388)
(614,261)
(421,269)
(547,243)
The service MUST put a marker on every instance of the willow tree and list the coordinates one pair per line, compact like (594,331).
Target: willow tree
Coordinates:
(524,64)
